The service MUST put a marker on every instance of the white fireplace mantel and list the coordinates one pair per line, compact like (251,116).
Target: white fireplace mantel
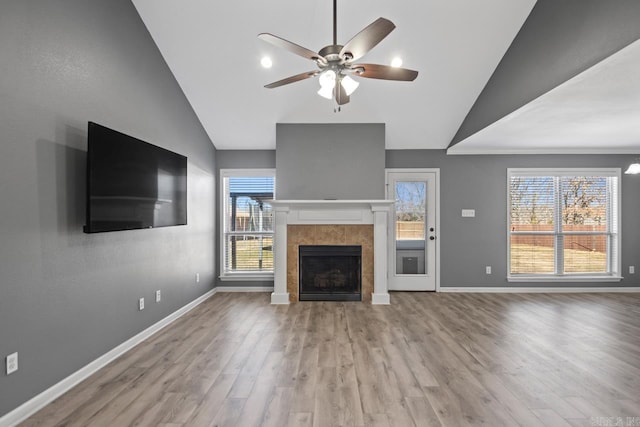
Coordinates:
(311,212)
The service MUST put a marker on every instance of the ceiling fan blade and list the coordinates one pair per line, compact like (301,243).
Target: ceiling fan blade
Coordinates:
(291,47)
(341,95)
(292,79)
(366,39)
(385,72)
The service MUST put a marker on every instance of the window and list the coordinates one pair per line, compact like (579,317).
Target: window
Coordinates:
(247,224)
(563,224)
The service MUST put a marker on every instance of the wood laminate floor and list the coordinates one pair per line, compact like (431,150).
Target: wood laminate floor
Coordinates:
(428,359)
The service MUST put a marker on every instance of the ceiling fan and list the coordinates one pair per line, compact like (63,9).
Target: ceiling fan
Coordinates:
(335,62)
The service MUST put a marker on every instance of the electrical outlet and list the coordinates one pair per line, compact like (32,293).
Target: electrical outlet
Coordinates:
(12,363)
(488,269)
(632,269)
(141,304)
(197,277)
(158,296)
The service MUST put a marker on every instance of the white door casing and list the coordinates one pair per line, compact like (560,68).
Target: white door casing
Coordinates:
(414,226)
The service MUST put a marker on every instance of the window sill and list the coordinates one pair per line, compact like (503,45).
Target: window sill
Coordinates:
(558,278)
(246,277)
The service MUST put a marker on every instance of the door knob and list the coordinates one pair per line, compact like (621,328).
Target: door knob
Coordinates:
(431,229)
(432,237)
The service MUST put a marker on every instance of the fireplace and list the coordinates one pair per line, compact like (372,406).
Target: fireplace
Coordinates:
(330,273)
(330,222)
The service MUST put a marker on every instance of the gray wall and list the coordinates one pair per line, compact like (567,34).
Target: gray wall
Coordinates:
(330,161)
(480,183)
(467,245)
(245,159)
(66,297)
(560,39)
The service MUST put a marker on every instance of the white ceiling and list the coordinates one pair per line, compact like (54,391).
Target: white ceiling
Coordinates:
(598,111)
(213,50)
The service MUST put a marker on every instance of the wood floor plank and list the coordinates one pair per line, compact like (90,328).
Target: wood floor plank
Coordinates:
(426,359)
(580,422)
(327,399)
(229,413)
(288,372)
(152,413)
(300,419)
(182,409)
(256,404)
(213,401)
(347,383)
(551,418)
(376,420)
(242,386)
(272,364)
(422,412)
(277,411)
(305,389)
(134,405)
(80,415)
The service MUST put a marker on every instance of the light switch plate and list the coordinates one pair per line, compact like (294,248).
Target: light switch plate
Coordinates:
(12,363)
(468,213)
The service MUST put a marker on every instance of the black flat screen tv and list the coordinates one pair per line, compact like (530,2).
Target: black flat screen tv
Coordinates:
(132,184)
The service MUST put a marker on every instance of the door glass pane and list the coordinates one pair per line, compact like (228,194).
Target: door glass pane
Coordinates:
(411,211)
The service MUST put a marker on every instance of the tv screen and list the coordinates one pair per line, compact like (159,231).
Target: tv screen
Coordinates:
(132,184)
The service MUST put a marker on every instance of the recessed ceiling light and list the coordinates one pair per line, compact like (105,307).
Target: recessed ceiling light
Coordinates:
(396,62)
(266,62)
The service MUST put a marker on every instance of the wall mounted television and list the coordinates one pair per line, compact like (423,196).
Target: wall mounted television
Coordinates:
(132,184)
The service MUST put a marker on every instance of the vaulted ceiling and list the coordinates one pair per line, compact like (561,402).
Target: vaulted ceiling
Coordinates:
(456,45)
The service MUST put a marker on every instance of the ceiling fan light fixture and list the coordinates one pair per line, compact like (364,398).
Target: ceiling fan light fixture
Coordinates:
(327,79)
(349,85)
(335,61)
(326,92)
(266,62)
(396,62)
(327,82)
(634,168)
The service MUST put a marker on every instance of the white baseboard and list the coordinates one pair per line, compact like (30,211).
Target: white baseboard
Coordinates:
(36,403)
(381,299)
(536,290)
(244,288)
(279,298)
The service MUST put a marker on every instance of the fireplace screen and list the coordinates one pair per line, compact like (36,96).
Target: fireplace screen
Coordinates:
(330,273)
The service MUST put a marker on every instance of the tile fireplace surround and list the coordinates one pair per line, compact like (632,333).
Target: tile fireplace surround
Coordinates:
(335,222)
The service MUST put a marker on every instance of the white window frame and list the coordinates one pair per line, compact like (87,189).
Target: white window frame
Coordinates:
(613,227)
(243,276)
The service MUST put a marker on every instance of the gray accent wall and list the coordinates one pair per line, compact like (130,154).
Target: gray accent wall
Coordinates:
(330,161)
(559,39)
(66,297)
(467,245)
(245,159)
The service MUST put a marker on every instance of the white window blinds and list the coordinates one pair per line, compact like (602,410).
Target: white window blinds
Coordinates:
(563,222)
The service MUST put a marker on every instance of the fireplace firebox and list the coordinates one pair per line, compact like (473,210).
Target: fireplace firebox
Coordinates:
(330,273)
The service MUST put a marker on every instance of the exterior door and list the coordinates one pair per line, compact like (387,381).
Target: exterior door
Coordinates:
(413,229)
